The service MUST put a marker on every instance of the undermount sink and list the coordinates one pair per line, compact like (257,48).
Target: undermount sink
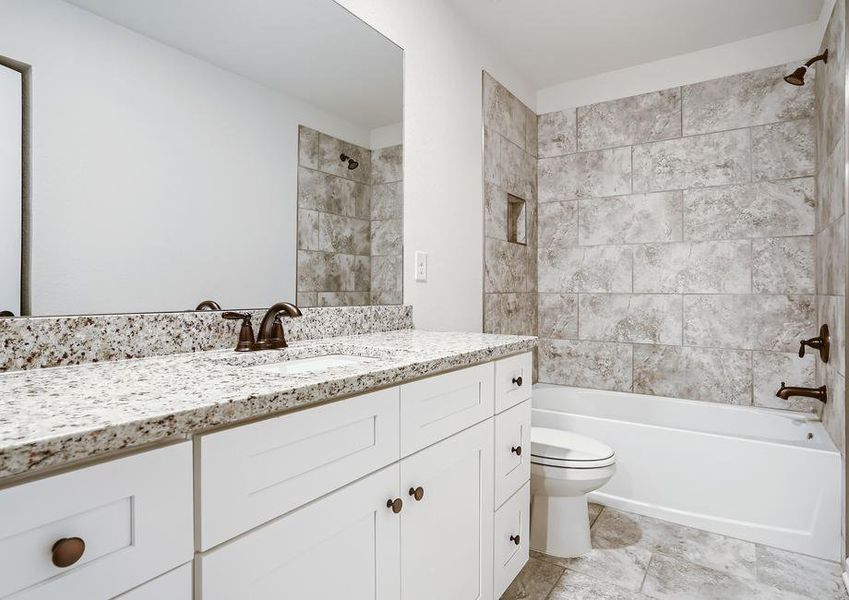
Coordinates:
(312,364)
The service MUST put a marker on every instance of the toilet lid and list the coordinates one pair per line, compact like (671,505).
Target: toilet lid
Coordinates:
(555,447)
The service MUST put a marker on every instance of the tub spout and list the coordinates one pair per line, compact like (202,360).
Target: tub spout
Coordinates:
(820,393)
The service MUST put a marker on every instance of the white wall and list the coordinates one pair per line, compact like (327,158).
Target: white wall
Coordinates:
(443,197)
(389,135)
(11,114)
(786,45)
(158,179)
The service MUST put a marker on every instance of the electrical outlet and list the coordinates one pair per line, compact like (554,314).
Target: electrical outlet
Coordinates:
(421,266)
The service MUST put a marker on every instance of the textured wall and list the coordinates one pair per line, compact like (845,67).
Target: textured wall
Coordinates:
(831,219)
(676,254)
(510,168)
(349,242)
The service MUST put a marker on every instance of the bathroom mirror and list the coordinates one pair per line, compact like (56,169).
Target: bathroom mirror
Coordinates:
(160,153)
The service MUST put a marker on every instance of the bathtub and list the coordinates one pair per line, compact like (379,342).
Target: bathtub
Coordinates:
(767,476)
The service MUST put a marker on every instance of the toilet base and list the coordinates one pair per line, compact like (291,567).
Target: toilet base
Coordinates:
(560,526)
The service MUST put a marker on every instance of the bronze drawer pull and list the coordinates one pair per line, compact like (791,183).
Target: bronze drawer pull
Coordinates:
(67,551)
(518,380)
(517,450)
(515,539)
(396,505)
(417,493)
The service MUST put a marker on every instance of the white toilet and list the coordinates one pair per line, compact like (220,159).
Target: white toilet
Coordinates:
(565,467)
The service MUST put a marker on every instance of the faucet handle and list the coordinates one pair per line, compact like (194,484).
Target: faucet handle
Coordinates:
(821,343)
(247,342)
(278,335)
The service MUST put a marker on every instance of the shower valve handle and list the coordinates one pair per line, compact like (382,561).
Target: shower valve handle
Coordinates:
(820,343)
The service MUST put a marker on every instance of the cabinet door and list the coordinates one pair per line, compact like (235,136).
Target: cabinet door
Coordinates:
(345,545)
(446,537)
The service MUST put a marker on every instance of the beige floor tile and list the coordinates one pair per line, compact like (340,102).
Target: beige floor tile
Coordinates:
(819,579)
(534,582)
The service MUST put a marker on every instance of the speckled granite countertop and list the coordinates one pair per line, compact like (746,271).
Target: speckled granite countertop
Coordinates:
(52,417)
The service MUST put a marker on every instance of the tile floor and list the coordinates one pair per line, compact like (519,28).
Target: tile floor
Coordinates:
(640,558)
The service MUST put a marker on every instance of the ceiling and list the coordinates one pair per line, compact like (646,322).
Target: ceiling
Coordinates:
(313,50)
(553,41)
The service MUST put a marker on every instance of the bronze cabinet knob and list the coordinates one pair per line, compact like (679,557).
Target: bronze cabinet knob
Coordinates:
(518,381)
(396,505)
(417,493)
(515,539)
(67,551)
(517,450)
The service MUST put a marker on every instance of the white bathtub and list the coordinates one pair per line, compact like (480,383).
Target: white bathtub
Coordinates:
(767,476)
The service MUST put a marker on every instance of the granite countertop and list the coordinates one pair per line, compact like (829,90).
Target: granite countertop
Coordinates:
(52,417)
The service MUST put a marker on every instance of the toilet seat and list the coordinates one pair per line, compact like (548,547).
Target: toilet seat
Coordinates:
(566,450)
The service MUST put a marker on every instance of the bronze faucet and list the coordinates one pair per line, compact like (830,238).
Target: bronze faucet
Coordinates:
(271,335)
(820,393)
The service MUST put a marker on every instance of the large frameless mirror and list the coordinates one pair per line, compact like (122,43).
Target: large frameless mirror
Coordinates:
(157,154)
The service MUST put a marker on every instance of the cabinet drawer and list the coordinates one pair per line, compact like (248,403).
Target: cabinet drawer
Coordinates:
(176,585)
(134,515)
(435,408)
(511,521)
(513,381)
(254,473)
(512,451)
(345,545)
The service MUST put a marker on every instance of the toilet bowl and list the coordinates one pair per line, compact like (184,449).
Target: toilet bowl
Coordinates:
(565,467)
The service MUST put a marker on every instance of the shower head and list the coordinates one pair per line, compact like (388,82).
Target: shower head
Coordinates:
(797,77)
(352,164)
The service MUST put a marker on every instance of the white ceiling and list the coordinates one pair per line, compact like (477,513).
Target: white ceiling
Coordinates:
(313,50)
(554,41)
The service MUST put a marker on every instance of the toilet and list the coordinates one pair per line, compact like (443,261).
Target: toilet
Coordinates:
(565,467)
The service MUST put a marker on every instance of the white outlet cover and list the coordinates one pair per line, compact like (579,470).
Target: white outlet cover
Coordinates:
(421,266)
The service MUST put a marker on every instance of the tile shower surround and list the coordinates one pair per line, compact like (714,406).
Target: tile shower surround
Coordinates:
(677,254)
(510,169)
(349,223)
(830,227)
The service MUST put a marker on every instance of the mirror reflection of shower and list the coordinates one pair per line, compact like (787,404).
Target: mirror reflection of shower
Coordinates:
(352,164)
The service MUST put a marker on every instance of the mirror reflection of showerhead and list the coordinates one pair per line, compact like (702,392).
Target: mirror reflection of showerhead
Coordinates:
(352,164)
(797,77)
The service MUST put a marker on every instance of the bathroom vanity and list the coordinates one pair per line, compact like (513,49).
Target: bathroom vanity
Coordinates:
(388,465)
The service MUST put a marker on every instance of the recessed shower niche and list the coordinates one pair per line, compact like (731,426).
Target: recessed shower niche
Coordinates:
(516,220)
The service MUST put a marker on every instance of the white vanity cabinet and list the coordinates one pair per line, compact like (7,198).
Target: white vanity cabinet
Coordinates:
(414,492)
(437,518)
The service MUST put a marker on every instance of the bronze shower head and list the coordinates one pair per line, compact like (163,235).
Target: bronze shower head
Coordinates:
(352,164)
(797,77)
